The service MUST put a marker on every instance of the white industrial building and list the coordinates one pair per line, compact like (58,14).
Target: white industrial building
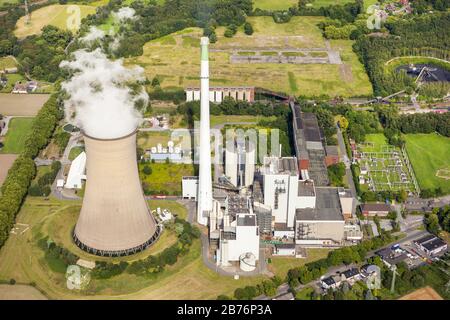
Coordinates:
(234,233)
(218,94)
(189,187)
(280,188)
(77,172)
(240,158)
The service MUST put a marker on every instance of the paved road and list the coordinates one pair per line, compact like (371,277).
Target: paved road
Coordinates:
(412,235)
(66,194)
(348,171)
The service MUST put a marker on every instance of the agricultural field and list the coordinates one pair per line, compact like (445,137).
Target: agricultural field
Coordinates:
(174,59)
(429,156)
(57,15)
(17,134)
(386,167)
(21,104)
(22,259)
(165,176)
(286,4)
(427,293)
(20,292)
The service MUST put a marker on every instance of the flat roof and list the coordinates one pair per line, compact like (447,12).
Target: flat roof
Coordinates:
(248,220)
(425,239)
(434,244)
(284,165)
(328,207)
(306,188)
(375,207)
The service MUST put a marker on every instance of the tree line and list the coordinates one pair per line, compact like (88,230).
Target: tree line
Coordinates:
(15,187)
(421,35)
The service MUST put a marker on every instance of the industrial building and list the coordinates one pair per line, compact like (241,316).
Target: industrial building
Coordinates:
(218,94)
(309,146)
(189,187)
(280,188)
(161,154)
(240,159)
(431,245)
(77,172)
(234,233)
(322,225)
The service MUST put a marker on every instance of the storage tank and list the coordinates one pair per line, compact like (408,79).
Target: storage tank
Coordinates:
(247,262)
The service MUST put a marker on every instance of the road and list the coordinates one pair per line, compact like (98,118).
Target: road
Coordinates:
(348,171)
(64,194)
(284,288)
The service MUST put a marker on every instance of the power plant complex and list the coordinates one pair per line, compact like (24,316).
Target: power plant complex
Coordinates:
(115,219)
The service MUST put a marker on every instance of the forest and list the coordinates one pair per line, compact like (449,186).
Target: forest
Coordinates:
(424,35)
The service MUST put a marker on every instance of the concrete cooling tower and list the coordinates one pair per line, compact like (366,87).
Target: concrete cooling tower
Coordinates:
(115,219)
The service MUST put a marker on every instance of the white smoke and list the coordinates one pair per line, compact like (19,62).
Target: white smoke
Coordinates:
(125,13)
(93,35)
(100,102)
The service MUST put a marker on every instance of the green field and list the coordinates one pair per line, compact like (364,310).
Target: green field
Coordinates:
(174,60)
(56,15)
(429,156)
(286,4)
(23,260)
(165,176)
(17,134)
(74,152)
(281,265)
(7,62)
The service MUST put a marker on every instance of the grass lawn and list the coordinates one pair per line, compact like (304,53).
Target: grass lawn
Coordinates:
(429,153)
(222,119)
(148,139)
(176,208)
(12,79)
(22,260)
(304,294)
(274,4)
(165,176)
(57,15)
(176,62)
(7,62)
(281,265)
(75,152)
(17,133)
(286,4)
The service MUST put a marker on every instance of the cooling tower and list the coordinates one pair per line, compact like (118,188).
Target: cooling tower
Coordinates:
(115,219)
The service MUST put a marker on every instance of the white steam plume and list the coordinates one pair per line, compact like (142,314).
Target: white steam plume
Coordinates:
(100,102)
(124,13)
(93,35)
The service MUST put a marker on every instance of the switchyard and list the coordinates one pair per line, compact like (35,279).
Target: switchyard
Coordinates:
(385,168)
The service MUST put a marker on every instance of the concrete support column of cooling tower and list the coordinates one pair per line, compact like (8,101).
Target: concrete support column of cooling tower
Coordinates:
(204,204)
(115,219)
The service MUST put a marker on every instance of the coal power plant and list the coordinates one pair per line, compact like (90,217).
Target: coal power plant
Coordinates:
(115,219)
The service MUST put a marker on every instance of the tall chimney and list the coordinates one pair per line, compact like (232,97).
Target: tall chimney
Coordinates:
(115,219)
(204,204)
